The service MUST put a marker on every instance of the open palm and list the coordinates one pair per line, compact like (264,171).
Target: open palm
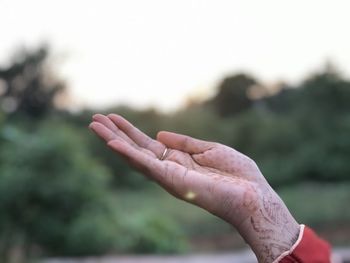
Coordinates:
(210,175)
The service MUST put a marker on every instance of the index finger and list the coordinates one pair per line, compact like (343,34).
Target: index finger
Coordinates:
(137,136)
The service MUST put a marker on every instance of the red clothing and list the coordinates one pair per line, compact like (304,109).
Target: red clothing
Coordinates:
(309,248)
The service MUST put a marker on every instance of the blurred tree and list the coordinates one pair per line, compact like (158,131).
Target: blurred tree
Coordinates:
(49,185)
(232,96)
(311,120)
(322,95)
(27,87)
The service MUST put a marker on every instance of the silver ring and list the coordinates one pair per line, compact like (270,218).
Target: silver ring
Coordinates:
(164,154)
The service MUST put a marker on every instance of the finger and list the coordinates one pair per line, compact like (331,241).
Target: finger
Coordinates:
(183,142)
(102,131)
(110,125)
(136,135)
(107,135)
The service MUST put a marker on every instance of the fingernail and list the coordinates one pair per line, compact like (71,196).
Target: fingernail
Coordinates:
(114,142)
(111,115)
(93,125)
(95,116)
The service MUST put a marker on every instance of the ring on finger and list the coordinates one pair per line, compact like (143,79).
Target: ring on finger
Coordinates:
(165,152)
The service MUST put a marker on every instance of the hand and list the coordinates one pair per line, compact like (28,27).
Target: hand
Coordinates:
(210,175)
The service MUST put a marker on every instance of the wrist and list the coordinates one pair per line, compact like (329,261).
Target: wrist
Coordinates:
(271,229)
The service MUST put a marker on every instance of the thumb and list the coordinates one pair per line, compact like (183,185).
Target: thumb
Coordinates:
(184,143)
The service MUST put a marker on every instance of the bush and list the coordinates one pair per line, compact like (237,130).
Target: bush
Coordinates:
(145,232)
(48,182)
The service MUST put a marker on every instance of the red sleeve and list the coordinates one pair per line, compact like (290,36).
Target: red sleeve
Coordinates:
(309,248)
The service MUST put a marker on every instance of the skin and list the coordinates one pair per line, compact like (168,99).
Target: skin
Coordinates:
(210,175)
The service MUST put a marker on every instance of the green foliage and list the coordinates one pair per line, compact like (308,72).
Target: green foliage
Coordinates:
(198,122)
(94,231)
(318,204)
(146,233)
(47,181)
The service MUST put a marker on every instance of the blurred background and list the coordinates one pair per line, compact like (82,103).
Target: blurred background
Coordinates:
(269,78)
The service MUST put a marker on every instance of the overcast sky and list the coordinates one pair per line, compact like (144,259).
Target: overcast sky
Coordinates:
(158,52)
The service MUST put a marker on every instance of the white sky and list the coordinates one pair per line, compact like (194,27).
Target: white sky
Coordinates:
(157,52)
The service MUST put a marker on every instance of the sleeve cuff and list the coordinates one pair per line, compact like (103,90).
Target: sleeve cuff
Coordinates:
(284,254)
(309,248)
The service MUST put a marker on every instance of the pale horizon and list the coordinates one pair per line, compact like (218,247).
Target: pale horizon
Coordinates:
(157,53)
